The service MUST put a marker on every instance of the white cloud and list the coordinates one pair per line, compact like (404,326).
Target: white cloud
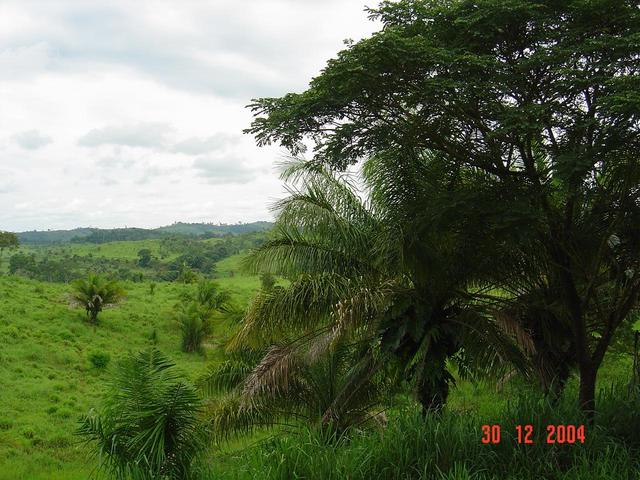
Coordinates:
(224,170)
(24,62)
(31,139)
(199,145)
(6,187)
(146,106)
(149,134)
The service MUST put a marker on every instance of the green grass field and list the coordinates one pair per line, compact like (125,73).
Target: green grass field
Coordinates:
(123,250)
(47,379)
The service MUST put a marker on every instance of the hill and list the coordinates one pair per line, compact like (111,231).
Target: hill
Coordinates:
(104,235)
(49,237)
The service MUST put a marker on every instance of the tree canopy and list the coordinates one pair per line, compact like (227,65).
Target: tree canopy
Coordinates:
(537,104)
(8,240)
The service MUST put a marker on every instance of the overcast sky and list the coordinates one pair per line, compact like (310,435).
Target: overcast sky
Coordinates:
(120,113)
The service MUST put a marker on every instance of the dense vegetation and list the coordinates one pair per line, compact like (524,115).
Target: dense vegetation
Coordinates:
(520,122)
(161,259)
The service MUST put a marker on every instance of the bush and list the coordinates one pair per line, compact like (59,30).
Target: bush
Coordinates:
(99,360)
(153,336)
(267,281)
(194,326)
(149,427)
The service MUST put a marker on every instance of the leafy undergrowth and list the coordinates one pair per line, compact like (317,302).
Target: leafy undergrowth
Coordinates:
(449,447)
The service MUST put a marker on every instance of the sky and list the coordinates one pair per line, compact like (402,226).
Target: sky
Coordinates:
(119,113)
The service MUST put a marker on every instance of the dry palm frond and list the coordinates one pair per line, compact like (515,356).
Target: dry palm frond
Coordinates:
(274,372)
(508,322)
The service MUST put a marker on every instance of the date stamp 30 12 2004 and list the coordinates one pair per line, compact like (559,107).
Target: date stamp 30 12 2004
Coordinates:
(563,434)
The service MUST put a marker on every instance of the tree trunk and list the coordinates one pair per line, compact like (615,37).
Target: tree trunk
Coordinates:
(433,387)
(553,371)
(587,395)
(432,395)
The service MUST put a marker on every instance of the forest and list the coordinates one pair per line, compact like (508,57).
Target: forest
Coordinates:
(449,290)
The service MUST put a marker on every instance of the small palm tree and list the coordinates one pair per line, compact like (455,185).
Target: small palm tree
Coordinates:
(149,427)
(212,298)
(196,312)
(195,326)
(95,293)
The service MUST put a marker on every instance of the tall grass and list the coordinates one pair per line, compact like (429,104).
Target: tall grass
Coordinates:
(448,446)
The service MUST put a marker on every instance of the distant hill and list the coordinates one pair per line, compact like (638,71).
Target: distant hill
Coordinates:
(181,228)
(103,235)
(47,237)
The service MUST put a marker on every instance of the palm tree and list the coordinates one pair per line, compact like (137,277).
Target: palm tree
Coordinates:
(95,293)
(150,426)
(381,276)
(334,391)
(212,298)
(196,312)
(195,326)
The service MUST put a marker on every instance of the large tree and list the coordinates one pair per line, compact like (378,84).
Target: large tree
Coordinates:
(541,97)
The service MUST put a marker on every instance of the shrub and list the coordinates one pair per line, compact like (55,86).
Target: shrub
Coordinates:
(194,327)
(448,446)
(144,257)
(149,427)
(195,313)
(267,281)
(153,336)
(99,359)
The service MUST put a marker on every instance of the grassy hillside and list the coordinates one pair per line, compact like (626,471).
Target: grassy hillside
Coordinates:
(48,380)
(127,250)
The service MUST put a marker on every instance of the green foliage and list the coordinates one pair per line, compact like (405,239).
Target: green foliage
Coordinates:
(99,360)
(366,272)
(211,298)
(144,257)
(288,389)
(204,230)
(186,274)
(95,293)
(528,113)
(448,446)
(195,313)
(195,326)
(22,263)
(44,362)
(8,240)
(267,281)
(119,259)
(148,428)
